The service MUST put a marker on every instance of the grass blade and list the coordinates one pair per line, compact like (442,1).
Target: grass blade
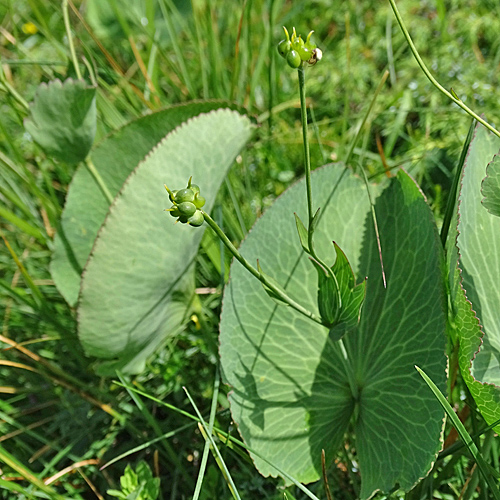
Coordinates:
(462,431)
(218,457)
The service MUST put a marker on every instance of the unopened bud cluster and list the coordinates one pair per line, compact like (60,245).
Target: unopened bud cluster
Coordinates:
(296,51)
(187,203)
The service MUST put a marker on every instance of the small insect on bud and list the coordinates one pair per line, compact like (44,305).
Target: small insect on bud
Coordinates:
(316,56)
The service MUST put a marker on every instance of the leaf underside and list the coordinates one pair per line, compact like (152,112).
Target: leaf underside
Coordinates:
(130,297)
(290,394)
(86,206)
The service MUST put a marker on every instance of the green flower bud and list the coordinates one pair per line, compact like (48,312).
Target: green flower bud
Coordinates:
(196,219)
(174,211)
(199,201)
(284,47)
(304,53)
(309,45)
(186,208)
(293,59)
(184,195)
(195,189)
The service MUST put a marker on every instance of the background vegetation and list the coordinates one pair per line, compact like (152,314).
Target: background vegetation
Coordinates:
(55,413)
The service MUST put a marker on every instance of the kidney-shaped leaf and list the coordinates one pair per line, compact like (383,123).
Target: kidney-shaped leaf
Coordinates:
(140,254)
(291,396)
(86,206)
(475,282)
(63,119)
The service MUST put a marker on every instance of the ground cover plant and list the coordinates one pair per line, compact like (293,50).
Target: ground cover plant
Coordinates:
(350,352)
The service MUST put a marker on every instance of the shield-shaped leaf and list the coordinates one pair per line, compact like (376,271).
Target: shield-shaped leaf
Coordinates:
(291,393)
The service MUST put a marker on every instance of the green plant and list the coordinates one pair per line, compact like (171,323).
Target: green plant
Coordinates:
(137,485)
(324,388)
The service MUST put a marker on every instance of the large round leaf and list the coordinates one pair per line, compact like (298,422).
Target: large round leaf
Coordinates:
(139,257)
(474,282)
(86,206)
(290,393)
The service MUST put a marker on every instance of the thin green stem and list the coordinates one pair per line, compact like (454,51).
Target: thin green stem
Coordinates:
(97,177)
(307,162)
(307,158)
(70,39)
(263,279)
(12,91)
(428,74)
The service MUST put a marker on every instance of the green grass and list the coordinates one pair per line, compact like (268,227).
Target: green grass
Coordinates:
(54,411)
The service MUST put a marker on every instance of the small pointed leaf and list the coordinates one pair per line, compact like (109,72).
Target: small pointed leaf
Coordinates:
(350,313)
(303,236)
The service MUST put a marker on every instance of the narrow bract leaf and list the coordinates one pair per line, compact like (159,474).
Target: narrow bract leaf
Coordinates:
(343,271)
(301,229)
(350,312)
(490,187)
(63,119)
(328,304)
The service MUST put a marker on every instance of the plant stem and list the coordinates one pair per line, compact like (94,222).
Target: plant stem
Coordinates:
(307,162)
(307,159)
(428,74)
(70,39)
(262,278)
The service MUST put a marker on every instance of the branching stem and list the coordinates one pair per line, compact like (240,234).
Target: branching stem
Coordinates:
(262,278)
